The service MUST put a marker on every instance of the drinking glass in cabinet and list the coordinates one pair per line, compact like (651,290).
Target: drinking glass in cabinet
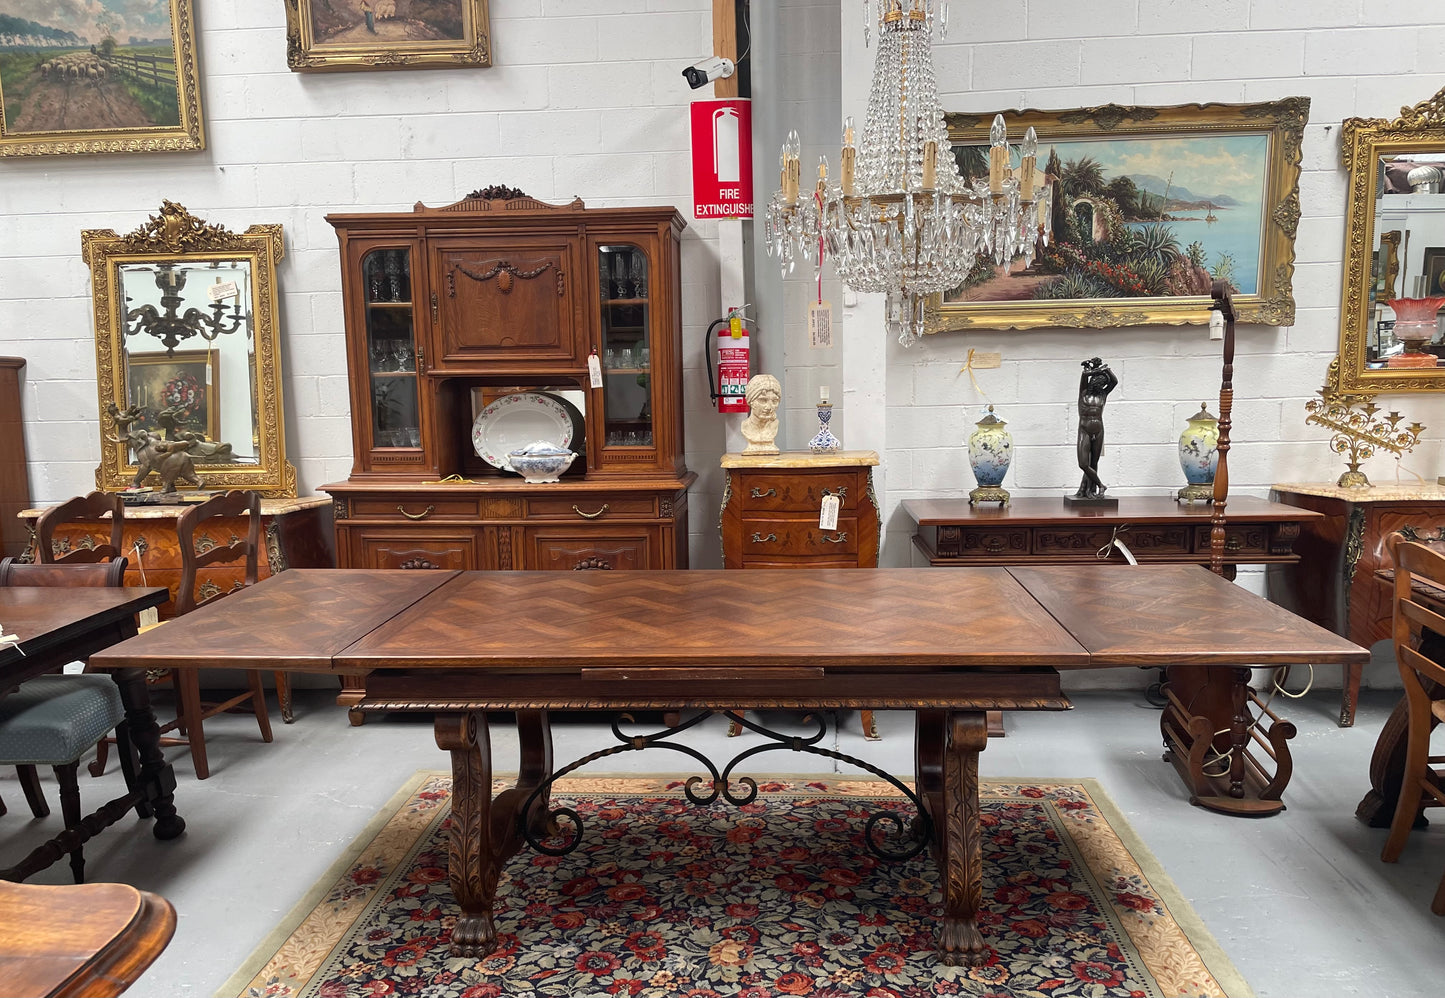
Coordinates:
(639,275)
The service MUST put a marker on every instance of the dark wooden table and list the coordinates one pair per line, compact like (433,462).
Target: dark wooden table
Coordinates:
(57,626)
(79,940)
(946,645)
(1157,529)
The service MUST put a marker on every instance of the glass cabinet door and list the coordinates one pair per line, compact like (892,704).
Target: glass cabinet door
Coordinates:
(391,349)
(625,350)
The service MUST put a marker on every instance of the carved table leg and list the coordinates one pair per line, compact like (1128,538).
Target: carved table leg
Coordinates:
(472,861)
(156,781)
(870,727)
(1354,672)
(961,853)
(534,732)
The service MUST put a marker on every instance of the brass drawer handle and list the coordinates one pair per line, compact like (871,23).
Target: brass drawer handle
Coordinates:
(841,492)
(416,516)
(589,516)
(760,494)
(838,538)
(760,539)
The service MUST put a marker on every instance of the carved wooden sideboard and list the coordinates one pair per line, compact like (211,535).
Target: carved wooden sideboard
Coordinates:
(1038,531)
(450,312)
(14,472)
(1334,582)
(296,533)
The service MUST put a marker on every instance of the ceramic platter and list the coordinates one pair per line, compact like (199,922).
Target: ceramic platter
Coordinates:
(514,421)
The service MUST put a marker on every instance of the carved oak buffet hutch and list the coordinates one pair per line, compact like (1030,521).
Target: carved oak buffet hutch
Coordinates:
(448,310)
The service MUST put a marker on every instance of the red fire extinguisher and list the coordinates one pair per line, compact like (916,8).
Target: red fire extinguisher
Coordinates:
(729,385)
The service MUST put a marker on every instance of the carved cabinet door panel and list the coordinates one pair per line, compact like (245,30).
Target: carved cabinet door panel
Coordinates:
(566,548)
(507,300)
(417,549)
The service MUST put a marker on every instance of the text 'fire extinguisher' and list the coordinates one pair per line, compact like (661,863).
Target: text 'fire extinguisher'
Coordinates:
(729,385)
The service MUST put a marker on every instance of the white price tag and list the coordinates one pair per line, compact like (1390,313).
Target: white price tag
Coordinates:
(594,370)
(820,324)
(72,668)
(150,617)
(828,518)
(222,290)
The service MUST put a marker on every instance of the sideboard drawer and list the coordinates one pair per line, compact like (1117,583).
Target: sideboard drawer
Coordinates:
(998,542)
(603,507)
(1086,542)
(557,548)
(1242,539)
(783,538)
(783,491)
(415,508)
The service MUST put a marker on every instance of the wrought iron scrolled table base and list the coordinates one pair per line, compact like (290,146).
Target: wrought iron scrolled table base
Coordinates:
(905,840)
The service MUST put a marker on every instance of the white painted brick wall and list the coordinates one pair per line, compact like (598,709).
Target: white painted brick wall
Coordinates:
(579,102)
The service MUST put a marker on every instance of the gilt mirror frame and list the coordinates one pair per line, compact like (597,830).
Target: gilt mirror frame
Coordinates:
(1274,182)
(173,235)
(1363,142)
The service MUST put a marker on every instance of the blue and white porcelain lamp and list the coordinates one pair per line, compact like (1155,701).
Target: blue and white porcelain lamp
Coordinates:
(990,451)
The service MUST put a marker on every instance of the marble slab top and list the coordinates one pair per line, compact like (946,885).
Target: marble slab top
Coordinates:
(802,459)
(269,507)
(1416,491)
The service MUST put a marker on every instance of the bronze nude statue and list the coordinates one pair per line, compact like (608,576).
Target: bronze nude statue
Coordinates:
(1095,384)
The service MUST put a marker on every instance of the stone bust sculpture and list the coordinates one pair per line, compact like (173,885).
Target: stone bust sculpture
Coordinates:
(760,428)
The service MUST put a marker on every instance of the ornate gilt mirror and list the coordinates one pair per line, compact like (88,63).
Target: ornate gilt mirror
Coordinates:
(187,355)
(1391,338)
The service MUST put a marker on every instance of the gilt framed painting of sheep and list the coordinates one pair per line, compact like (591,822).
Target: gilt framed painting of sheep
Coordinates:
(98,76)
(324,35)
(1149,207)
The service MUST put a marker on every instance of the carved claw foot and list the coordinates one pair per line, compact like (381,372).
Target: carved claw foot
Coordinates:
(960,944)
(474,936)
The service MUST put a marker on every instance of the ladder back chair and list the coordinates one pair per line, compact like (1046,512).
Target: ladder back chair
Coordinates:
(54,720)
(1419,616)
(192,714)
(96,508)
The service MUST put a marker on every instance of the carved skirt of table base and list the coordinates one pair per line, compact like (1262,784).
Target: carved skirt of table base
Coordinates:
(487,830)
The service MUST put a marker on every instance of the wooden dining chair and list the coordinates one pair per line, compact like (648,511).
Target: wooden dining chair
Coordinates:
(103,509)
(195,592)
(54,720)
(1419,569)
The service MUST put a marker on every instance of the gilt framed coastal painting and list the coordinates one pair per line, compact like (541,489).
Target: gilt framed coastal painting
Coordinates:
(330,35)
(1151,205)
(98,76)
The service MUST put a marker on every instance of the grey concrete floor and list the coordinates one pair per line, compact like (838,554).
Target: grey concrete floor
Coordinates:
(1300,901)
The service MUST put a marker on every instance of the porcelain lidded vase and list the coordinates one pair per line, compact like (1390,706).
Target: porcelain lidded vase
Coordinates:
(1199,455)
(990,451)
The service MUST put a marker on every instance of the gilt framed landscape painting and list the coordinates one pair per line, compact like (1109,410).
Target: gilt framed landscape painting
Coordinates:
(324,35)
(98,76)
(1151,205)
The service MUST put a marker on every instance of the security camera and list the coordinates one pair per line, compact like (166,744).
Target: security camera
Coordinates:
(700,74)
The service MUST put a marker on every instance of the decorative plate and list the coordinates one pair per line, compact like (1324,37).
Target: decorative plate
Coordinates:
(514,421)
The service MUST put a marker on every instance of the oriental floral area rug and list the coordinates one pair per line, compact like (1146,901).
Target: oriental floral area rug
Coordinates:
(773,899)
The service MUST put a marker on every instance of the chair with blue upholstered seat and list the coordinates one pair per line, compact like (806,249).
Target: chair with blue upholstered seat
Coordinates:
(53,721)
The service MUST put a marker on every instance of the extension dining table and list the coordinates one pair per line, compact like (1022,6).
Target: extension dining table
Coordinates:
(948,646)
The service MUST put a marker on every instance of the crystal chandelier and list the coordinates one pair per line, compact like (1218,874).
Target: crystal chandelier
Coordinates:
(900,220)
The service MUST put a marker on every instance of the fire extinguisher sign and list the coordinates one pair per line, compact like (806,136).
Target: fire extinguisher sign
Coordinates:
(722,160)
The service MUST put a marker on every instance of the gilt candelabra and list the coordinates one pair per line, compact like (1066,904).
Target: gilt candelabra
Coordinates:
(1359,432)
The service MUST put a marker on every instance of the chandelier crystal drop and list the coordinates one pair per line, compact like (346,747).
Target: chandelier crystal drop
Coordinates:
(900,220)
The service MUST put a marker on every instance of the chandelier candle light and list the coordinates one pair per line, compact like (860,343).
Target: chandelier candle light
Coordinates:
(901,220)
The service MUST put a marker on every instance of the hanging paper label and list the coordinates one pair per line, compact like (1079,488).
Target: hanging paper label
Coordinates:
(828,518)
(222,291)
(820,324)
(150,616)
(594,370)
